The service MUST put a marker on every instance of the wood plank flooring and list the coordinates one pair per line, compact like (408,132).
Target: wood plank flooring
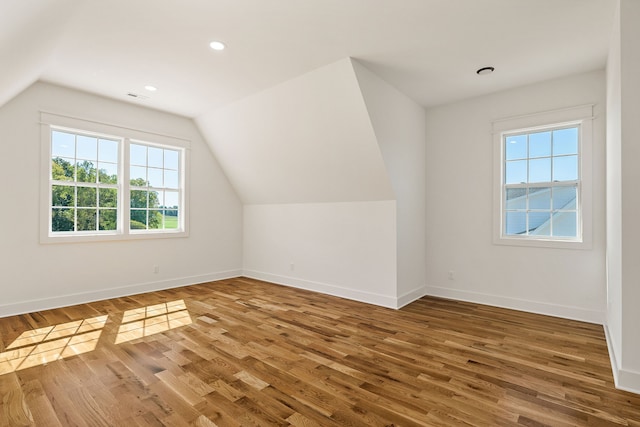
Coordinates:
(242,352)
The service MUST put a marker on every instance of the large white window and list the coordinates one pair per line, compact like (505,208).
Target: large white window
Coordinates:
(154,183)
(543,196)
(83,182)
(104,182)
(542,183)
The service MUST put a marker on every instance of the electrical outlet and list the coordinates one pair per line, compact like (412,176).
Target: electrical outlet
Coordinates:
(451,275)
(156,269)
(292,266)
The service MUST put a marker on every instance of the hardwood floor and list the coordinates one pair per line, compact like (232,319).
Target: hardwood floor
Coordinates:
(242,352)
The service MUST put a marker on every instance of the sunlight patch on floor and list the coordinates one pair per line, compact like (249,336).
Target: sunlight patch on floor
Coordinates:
(43,345)
(153,319)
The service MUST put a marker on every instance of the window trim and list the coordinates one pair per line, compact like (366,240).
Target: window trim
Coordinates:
(127,179)
(125,135)
(581,116)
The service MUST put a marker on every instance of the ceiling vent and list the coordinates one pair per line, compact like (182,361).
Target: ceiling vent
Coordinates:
(137,95)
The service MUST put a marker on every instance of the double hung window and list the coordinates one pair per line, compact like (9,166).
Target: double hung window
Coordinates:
(542,183)
(105,182)
(543,179)
(84,182)
(154,182)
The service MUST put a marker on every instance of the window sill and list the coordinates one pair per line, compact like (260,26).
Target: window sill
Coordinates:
(89,238)
(542,243)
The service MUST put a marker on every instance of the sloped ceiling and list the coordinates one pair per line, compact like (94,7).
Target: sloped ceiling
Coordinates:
(309,139)
(286,126)
(30,32)
(428,49)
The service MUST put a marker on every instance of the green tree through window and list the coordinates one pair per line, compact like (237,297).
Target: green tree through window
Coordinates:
(155,187)
(93,194)
(83,194)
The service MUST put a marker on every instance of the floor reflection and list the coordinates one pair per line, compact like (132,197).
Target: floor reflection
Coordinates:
(44,345)
(153,319)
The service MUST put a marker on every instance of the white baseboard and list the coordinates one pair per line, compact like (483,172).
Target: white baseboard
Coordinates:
(338,291)
(624,379)
(628,381)
(85,297)
(411,296)
(566,312)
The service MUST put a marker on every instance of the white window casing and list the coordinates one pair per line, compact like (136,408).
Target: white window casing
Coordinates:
(580,117)
(178,190)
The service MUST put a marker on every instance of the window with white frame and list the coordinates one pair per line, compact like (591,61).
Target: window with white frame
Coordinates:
(104,182)
(544,179)
(542,183)
(83,182)
(154,182)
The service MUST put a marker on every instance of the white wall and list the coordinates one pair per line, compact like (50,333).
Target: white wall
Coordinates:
(342,249)
(38,26)
(562,282)
(630,130)
(306,140)
(623,200)
(305,160)
(614,198)
(320,161)
(37,276)
(400,128)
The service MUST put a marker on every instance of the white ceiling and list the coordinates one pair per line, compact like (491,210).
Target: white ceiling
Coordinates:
(428,49)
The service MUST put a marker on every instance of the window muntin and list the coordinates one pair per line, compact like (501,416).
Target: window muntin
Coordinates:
(154,187)
(541,184)
(83,182)
(87,188)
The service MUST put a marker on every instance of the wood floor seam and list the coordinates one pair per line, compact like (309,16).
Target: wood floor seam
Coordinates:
(243,352)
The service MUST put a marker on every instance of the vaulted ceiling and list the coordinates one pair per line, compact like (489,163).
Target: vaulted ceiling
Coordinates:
(428,49)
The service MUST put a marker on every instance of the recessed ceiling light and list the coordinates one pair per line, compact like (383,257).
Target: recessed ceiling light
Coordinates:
(216,45)
(485,70)
(151,88)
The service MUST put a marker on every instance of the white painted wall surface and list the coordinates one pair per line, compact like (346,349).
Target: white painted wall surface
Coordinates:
(342,249)
(623,200)
(400,128)
(39,27)
(614,198)
(630,89)
(304,159)
(36,276)
(563,282)
(307,140)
